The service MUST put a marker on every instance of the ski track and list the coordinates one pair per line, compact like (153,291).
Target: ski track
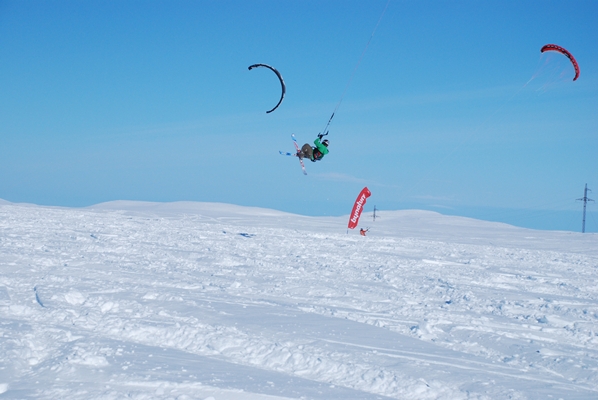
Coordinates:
(149,301)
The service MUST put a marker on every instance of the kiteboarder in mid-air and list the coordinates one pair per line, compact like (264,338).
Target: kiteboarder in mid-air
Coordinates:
(314,153)
(307,151)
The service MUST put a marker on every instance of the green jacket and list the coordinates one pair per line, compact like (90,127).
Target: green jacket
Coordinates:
(320,151)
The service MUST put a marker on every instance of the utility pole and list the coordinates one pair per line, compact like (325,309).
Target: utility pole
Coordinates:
(585,200)
(374,214)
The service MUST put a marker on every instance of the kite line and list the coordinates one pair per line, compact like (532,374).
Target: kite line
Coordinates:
(355,69)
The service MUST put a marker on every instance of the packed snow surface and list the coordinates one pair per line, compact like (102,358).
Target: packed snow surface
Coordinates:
(214,301)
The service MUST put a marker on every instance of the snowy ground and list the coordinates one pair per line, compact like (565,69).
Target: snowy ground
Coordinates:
(213,301)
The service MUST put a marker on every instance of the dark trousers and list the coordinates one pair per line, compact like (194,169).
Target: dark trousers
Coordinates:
(307,151)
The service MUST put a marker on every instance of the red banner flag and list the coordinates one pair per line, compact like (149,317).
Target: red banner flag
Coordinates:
(358,207)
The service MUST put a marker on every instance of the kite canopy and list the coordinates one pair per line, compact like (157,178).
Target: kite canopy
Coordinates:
(562,50)
(284,89)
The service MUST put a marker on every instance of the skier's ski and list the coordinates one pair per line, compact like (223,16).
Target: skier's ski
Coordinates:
(298,151)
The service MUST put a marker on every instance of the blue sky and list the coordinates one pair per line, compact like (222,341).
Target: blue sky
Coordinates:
(453,108)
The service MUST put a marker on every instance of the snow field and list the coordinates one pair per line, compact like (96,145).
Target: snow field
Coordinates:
(202,300)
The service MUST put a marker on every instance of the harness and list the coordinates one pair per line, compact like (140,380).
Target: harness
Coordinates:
(317,154)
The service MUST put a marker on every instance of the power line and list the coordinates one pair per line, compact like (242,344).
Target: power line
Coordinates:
(585,200)
(374,216)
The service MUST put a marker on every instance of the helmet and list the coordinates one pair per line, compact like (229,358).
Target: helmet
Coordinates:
(325,142)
